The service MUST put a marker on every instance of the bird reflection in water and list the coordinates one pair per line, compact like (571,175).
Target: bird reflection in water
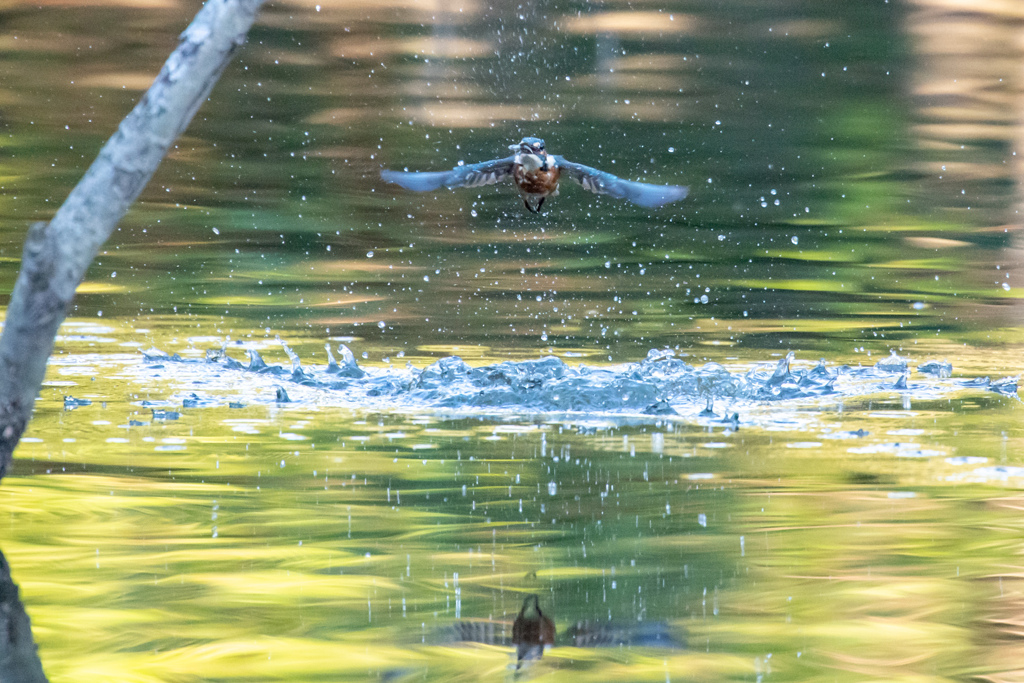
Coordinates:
(533,631)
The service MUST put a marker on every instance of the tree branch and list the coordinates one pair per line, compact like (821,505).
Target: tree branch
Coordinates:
(19,657)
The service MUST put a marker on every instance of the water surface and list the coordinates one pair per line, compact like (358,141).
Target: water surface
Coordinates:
(855,191)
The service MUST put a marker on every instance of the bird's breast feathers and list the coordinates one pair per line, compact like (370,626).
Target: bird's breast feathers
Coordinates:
(535,174)
(533,162)
(541,181)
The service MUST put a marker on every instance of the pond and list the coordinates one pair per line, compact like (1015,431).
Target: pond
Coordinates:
(769,432)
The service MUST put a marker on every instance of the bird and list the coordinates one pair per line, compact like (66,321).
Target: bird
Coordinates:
(531,631)
(536,174)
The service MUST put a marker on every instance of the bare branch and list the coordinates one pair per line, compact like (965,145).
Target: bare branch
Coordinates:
(19,657)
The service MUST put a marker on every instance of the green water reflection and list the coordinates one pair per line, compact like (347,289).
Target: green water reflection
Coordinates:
(296,543)
(831,187)
(856,187)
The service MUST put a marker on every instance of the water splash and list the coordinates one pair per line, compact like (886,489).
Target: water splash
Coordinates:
(660,386)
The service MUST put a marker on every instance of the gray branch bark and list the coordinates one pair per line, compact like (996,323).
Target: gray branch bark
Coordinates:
(19,657)
(57,254)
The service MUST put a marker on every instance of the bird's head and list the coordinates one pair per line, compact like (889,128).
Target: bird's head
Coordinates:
(531,604)
(529,146)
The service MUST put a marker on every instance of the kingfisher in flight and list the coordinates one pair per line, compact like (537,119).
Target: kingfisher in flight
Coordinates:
(536,174)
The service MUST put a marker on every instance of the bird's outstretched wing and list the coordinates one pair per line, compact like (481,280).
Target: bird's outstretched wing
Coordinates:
(470,175)
(600,182)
